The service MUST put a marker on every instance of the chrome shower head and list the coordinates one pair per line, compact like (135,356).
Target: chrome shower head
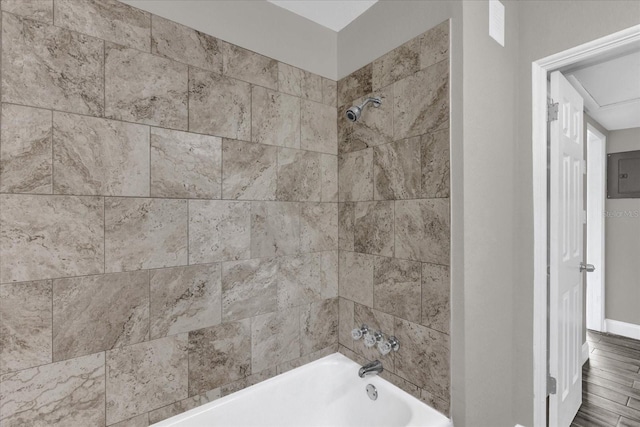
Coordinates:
(353,113)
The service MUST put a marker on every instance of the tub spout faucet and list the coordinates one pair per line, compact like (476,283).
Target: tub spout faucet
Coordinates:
(372,368)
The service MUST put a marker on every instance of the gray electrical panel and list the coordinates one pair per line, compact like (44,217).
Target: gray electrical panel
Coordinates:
(623,175)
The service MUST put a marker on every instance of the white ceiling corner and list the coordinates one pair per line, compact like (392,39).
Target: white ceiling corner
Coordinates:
(333,14)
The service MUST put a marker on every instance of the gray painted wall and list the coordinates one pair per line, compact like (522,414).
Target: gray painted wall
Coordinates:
(622,243)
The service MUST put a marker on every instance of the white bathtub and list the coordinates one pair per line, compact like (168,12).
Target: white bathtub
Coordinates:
(324,393)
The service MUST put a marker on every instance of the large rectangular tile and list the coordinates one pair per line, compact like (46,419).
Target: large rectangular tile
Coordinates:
(230,116)
(44,237)
(39,10)
(97,313)
(50,67)
(373,128)
(436,304)
(145,233)
(346,322)
(299,175)
(318,128)
(422,230)
(26,150)
(397,288)
(307,278)
(329,178)
(176,408)
(146,376)
(434,45)
(25,330)
(275,338)
(109,20)
(373,225)
(219,231)
(249,170)
(250,67)
(355,176)
(219,355)
(397,170)
(249,288)
(355,85)
(435,161)
(184,299)
(318,325)
(70,393)
(275,118)
(318,227)
(346,230)
(311,86)
(421,102)
(248,381)
(308,358)
(356,277)
(275,228)
(424,358)
(289,79)
(93,156)
(184,44)
(145,88)
(377,321)
(185,165)
(137,421)
(329,92)
(397,64)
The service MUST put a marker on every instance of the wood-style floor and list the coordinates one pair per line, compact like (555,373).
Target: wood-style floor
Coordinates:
(610,383)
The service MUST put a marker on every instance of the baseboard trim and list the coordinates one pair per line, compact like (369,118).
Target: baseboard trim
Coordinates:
(624,329)
(585,352)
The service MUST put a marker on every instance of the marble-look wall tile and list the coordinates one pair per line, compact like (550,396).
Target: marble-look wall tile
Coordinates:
(329,178)
(50,67)
(424,359)
(435,164)
(401,62)
(219,231)
(43,237)
(355,176)
(373,224)
(356,277)
(25,330)
(352,355)
(93,156)
(219,355)
(231,117)
(275,338)
(346,230)
(275,229)
(248,66)
(308,358)
(421,102)
(184,44)
(249,288)
(109,20)
(184,299)
(346,323)
(376,321)
(397,288)
(25,150)
(145,233)
(289,79)
(248,381)
(329,92)
(401,383)
(275,118)
(249,170)
(311,86)
(307,278)
(396,170)
(137,421)
(318,325)
(440,405)
(436,289)
(434,45)
(355,85)
(185,165)
(97,313)
(373,128)
(318,227)
(422,230)
(145,88)
(175,408)
(70,393)
(39,10)
(146,376)
(299,175)
(318,128)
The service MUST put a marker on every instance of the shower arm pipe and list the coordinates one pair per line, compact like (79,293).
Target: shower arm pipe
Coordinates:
(376,102)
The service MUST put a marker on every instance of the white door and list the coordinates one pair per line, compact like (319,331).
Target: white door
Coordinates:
(566,252)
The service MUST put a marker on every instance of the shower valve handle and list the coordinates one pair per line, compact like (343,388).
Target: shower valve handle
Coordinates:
(358,333)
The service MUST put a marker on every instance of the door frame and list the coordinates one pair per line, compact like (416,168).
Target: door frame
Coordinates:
(539,72)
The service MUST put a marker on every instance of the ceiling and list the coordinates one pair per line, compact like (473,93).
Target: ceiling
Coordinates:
(333,14)
(610,88)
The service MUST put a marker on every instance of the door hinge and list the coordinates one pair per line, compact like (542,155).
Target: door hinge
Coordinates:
(552,111)
(584,167)
(551,385)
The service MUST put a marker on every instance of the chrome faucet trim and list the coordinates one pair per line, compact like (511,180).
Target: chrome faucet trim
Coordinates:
(372,368)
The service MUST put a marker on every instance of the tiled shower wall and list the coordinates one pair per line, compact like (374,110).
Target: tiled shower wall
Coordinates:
(394,227)
(168,217)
